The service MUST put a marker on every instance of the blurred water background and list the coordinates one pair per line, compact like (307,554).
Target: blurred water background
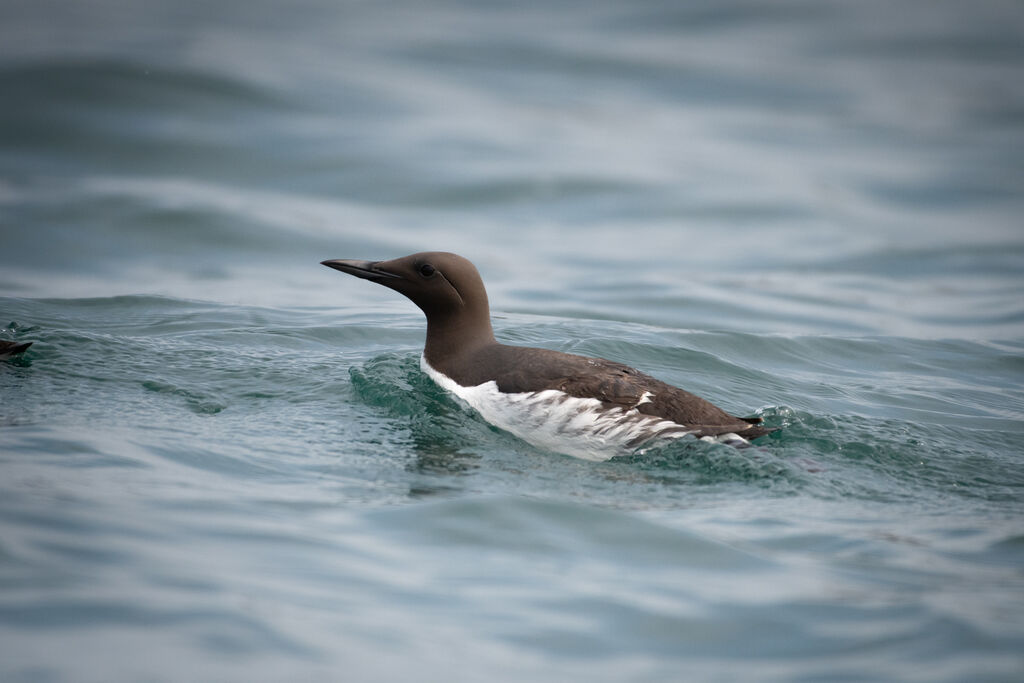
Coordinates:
(219,461)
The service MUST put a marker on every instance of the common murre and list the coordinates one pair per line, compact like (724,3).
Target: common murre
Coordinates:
(590,408)
(9,349)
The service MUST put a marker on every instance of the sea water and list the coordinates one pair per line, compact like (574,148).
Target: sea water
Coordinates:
(221,461)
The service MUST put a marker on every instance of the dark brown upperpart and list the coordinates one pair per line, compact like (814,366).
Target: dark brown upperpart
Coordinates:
(523,369)
(461,345)
(10,348)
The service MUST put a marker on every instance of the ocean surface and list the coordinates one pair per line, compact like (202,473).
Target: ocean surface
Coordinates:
(220,461)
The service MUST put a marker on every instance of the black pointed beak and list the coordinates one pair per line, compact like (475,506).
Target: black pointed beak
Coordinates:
(367,270)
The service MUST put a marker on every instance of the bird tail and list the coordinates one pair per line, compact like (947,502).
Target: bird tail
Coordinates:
(755,432)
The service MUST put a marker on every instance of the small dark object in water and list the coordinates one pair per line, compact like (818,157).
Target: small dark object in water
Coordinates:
(8,349)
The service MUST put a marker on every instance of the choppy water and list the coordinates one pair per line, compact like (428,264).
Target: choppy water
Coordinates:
(220,461)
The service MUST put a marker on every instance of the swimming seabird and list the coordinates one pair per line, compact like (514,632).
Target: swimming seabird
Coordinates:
(586,407)
(9,349)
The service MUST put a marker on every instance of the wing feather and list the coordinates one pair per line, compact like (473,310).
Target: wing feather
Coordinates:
(525,369)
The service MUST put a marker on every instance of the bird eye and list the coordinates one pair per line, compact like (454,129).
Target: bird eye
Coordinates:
(426,270)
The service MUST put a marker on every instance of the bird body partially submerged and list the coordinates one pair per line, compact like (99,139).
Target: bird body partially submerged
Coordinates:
(587,407)
(9,349)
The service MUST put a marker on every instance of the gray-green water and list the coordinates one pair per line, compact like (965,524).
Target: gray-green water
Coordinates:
(220,461)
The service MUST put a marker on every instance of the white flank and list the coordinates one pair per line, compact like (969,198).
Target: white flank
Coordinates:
(555,421)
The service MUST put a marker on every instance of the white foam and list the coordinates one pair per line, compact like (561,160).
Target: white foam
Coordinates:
(554,421)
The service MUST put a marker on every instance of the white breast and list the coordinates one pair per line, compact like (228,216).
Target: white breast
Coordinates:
(555,421)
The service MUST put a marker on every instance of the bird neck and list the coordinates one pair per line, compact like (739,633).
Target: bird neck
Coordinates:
(449,336)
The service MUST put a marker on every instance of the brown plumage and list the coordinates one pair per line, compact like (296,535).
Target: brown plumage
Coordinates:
(518,368)
(9,349)
(461,345)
